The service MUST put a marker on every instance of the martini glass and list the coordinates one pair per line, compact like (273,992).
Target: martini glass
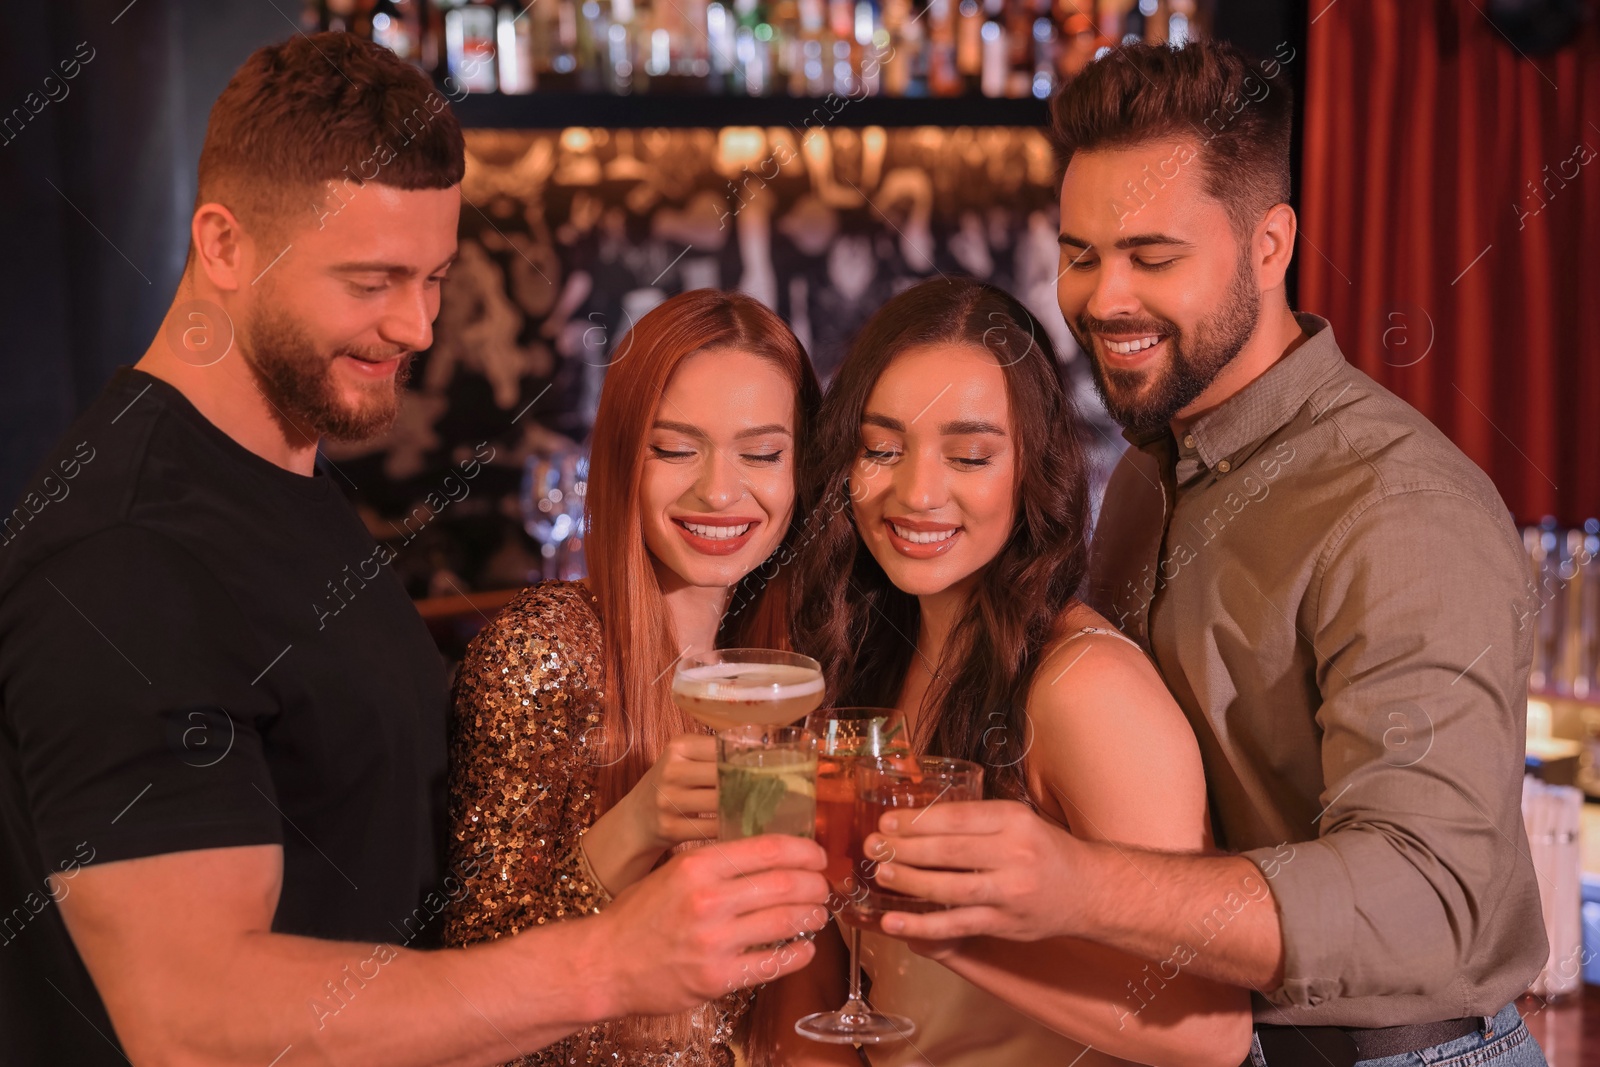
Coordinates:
(747,686)
(848,738)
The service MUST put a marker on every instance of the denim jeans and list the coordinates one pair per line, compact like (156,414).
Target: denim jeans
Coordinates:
(1506,1043)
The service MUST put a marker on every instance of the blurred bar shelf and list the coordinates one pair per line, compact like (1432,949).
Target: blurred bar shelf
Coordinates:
(554,111)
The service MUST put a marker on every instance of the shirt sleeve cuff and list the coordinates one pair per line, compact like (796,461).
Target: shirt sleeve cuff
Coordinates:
(1316,906)
(158,840)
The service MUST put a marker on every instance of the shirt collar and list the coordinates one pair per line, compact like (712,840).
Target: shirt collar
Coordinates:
(1263,406)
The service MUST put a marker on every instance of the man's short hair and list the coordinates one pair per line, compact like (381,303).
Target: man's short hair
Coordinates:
(1239,112)
(304,124)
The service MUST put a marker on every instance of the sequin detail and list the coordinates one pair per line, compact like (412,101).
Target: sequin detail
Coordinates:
(522,794)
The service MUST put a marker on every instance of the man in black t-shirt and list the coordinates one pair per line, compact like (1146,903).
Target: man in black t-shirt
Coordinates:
(221,721)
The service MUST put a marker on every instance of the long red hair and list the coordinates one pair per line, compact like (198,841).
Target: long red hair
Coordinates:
(638,642)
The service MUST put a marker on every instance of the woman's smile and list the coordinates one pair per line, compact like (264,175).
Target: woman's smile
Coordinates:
(716,535)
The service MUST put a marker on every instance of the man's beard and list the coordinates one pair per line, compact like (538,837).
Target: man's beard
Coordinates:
(298,381)
(1147,400)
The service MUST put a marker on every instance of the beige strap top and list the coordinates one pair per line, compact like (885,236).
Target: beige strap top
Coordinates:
(958,1024)
(1119,635)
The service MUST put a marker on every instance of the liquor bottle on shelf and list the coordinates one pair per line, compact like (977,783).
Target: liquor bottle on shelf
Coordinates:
(815,53)
(752,48)
(918,56)
(430,38)
(1181,28)
(1133,24)
(514,49)
(873,39)
(1019,15)
(669,46)
(691,50)
(397,25)
(1078,41)
(655,49)
(969,45)
(788,49)
(619,51)
(996,68)
(339,15)
(897,48)
(594,47)
(469,38)
(558,58)
(1043,82)
(944,79)
(720,45)
(840,58)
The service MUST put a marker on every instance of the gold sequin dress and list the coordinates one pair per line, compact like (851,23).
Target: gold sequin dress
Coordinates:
(522,794)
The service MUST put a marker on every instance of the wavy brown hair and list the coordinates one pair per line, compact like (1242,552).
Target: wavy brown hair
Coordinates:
(861,627)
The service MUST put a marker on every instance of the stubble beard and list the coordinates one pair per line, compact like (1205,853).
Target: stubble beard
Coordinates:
(1145,400)
(298,380)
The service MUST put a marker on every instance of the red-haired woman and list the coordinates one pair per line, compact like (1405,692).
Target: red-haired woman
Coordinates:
(573,773)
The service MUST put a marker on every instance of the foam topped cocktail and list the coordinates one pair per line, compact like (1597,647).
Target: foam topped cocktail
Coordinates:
(738,686)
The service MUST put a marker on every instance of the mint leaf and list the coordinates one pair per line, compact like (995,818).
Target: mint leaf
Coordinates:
(761,803)
(732,789)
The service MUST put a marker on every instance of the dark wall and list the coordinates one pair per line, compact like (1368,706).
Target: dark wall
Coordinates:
(1264,28)
(97,175)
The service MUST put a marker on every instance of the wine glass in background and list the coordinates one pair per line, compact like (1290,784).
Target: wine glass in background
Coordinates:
(846,739)
(554,484)
(571,565)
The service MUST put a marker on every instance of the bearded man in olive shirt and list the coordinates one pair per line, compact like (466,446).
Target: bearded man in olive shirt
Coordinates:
(1330,589)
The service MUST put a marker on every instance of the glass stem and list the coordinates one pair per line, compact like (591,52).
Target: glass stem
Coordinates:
(854,1003)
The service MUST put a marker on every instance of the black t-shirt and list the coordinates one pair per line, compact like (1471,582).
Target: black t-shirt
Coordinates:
(199,649)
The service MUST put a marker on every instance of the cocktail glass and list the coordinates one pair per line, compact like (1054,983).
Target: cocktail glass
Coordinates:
(735,686)
(848,738)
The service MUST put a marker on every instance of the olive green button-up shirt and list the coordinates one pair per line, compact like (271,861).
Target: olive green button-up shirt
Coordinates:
(1337,599)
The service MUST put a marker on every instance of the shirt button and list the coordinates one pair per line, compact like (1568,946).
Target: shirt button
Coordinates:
(1223,466)
(1188,440)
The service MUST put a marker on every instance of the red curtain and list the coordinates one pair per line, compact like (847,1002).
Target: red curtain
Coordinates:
(1450,222)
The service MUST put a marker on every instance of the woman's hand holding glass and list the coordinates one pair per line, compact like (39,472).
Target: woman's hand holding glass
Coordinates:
(675,802)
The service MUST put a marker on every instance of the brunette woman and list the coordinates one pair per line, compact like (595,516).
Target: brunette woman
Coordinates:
(573,773)
(951,536)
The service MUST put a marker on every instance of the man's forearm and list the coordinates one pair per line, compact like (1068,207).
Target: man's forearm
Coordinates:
(315,1001)
(1207,916)
(507,998)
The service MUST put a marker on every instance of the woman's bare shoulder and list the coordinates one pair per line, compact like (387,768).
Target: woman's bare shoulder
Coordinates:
(1082,636)
(1093,684)
(1111,745)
